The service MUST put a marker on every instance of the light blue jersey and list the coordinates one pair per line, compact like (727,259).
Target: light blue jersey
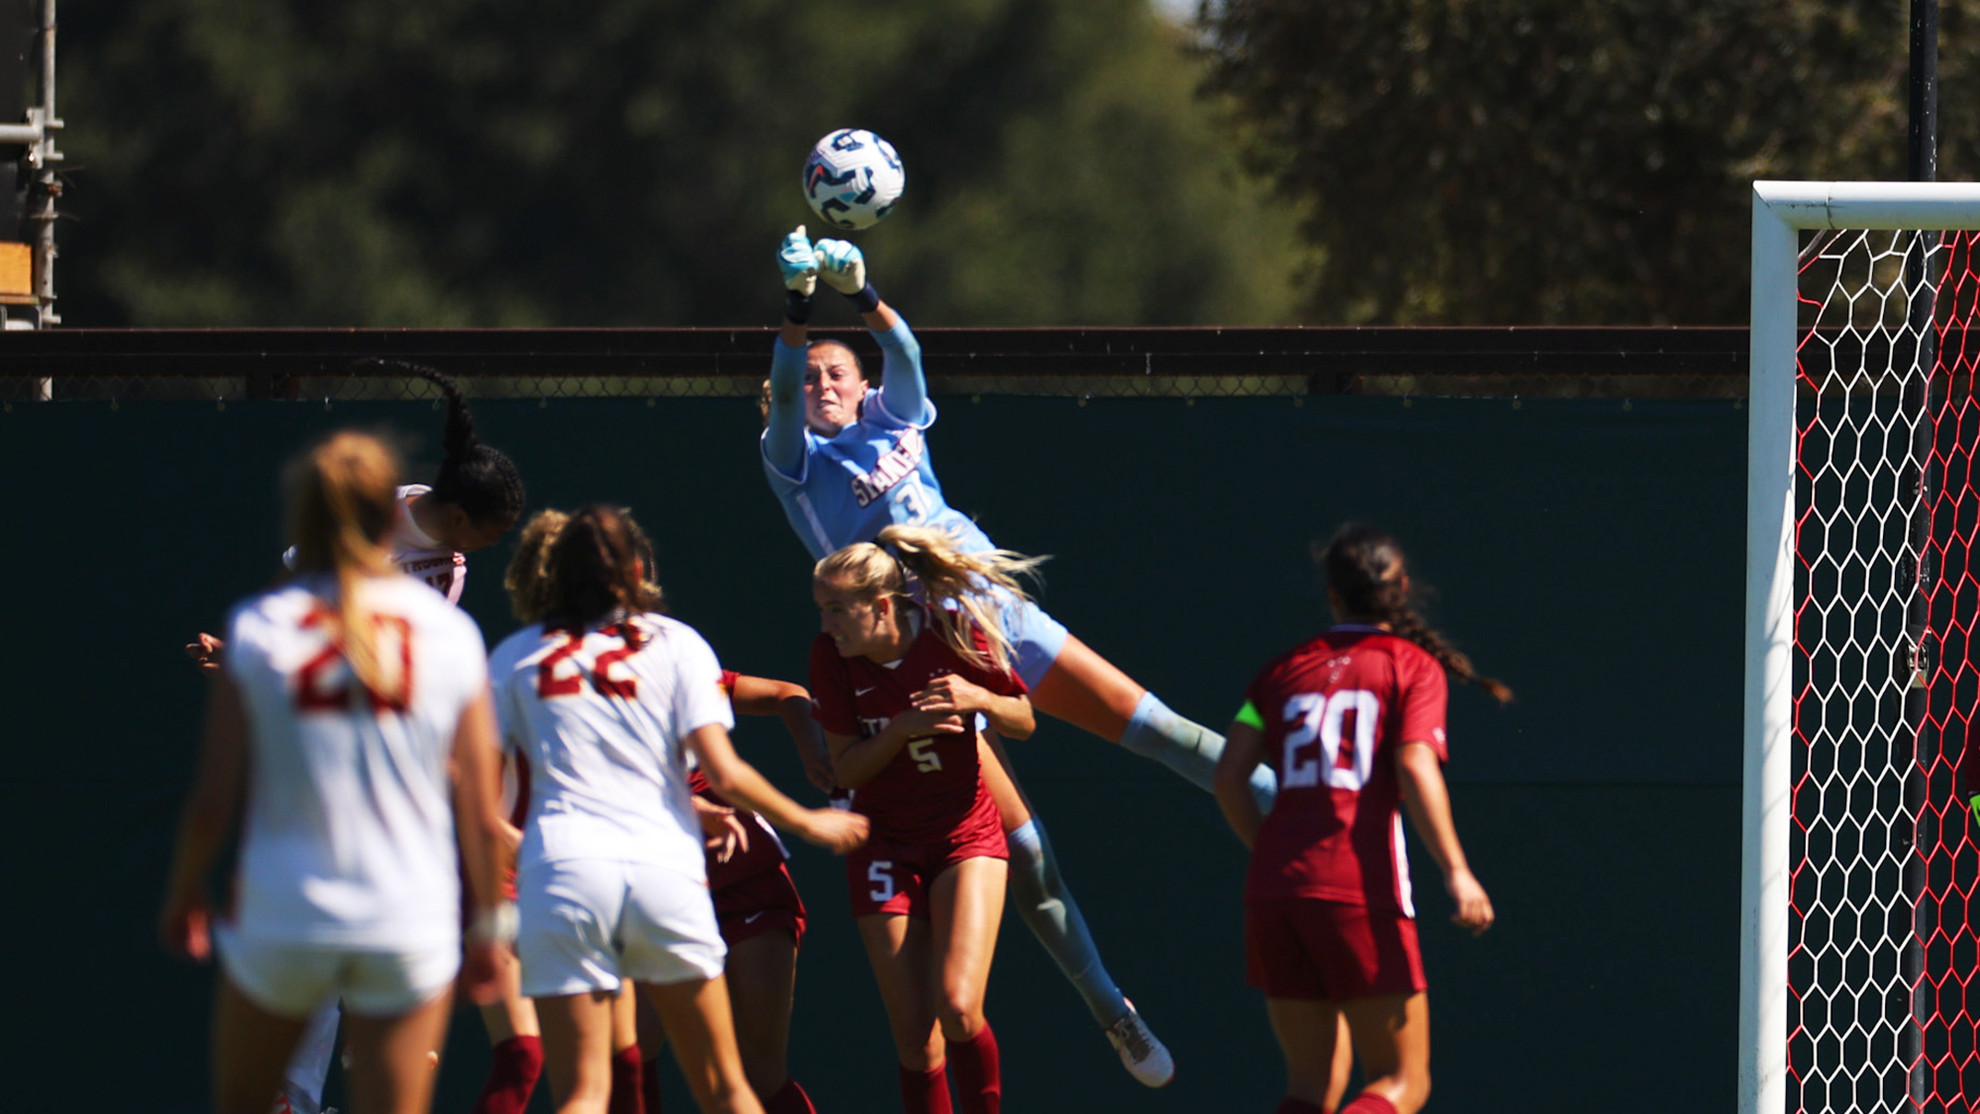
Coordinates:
(876,473)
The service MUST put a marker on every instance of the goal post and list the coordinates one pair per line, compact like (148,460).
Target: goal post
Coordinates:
(1856,949)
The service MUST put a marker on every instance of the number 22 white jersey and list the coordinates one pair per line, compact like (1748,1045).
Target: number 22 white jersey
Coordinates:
(600,716)
(349,837)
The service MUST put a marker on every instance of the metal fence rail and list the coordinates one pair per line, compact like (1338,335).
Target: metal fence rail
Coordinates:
(250,364)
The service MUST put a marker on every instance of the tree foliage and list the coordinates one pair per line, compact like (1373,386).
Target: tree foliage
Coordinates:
(448,162)
(1574,161)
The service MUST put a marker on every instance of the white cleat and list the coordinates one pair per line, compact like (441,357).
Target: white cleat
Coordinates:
(1145,1057)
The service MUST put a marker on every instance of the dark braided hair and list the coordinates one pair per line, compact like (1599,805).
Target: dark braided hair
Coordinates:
(598,566)
(1365,570)
(479,479)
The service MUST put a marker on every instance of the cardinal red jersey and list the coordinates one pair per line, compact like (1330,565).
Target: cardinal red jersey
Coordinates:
(932,783)
(765,852)
(1336,711)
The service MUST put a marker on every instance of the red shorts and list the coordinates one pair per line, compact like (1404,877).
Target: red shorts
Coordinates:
(887,877)
(755,905)
(1314,949)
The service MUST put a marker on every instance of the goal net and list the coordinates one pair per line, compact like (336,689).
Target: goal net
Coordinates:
(1859,956)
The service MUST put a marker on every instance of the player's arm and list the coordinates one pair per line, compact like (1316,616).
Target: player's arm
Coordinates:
(1244,748)
(902,385)
(483,835)
(1424,794)
(1010,716)
(733,779)
(856,761)
(761,696)
(783,435)
(208,822)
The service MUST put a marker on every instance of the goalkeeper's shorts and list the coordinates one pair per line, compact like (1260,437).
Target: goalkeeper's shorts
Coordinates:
(1313,949)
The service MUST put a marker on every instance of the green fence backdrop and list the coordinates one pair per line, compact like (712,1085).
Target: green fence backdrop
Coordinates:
(1589,552)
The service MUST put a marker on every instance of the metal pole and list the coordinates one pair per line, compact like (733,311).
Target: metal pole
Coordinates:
(1920,390)
(47,184)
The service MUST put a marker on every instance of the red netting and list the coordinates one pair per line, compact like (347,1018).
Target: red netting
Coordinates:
(1883,954)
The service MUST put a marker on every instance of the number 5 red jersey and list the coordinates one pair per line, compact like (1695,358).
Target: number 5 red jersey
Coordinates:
(1336,710)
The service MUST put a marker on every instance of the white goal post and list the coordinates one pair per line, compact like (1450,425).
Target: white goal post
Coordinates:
(1840,793)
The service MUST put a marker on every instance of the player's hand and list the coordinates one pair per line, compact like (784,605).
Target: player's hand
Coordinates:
(723,834)
(206,651)
(916,723)
(1474,909)
(836,831)
(842,266)
(818,767)
(950,693)
(510,847)
(798,263)
(185,927)
(481,971)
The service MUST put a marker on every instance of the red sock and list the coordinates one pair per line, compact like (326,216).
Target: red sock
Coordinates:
(789,1099)
(1366,1103)
(649,1084)
(1291,1105)
(925,1092)
(625,1098)
(512,1077)
(979,1078)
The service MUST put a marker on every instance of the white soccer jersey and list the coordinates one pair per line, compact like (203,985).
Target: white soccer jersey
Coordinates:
(599,717)
(421,557)
(349,836)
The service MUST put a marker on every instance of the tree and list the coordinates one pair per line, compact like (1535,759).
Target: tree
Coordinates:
(374,162)
(1571,161)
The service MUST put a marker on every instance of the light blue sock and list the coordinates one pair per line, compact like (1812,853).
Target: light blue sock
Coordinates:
(1052,915)
(1188,748)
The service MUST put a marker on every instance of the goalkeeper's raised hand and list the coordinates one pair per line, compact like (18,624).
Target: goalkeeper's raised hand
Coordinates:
(844,270)
(798,264)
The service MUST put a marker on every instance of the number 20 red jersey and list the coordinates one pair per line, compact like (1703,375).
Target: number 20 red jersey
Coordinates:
(1336,711)
(931,785)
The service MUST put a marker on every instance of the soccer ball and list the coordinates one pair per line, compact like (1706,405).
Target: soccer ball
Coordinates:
(853,178)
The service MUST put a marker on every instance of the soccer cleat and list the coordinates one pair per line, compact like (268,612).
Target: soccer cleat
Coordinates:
(1145,1057)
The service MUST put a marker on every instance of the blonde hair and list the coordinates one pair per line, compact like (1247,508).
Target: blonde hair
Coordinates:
(343,502)
(527,578)
(946,576)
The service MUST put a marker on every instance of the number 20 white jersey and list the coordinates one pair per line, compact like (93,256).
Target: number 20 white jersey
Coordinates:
(349,837)
(600,716)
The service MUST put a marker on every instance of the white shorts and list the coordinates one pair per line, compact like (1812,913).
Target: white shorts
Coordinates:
(291,980)
(587,923)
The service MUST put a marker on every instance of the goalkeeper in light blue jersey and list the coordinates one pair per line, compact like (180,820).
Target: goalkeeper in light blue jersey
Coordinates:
(846,460)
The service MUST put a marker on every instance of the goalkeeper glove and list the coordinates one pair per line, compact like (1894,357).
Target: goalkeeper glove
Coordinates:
(798,264)
(1974,803)
(844,270)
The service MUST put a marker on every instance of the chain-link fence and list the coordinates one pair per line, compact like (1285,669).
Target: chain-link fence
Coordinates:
(333,365)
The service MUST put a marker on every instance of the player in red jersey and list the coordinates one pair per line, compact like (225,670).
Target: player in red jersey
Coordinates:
(901,687)
(1353,721)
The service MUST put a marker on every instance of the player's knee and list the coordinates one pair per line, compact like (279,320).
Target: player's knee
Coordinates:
(960,1014)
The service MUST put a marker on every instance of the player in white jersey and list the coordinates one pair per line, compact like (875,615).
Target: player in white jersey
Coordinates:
(351,721)
(607,699)
(846,460)
(475,497)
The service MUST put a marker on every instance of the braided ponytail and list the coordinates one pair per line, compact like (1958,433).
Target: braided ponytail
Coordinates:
(478,478)
(1365,570)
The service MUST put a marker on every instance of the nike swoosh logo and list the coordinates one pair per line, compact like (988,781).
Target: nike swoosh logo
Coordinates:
(752,916)
(864,691)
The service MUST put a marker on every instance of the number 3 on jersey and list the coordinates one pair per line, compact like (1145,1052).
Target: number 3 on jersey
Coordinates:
(1346,718)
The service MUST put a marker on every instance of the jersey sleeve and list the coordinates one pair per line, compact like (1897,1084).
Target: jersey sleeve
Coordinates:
(784,449)
(698,697)
(831,689)
(903,396)
(1423,694)
(1002,680)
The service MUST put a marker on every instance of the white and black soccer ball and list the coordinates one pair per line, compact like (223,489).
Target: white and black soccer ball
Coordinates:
(853,178)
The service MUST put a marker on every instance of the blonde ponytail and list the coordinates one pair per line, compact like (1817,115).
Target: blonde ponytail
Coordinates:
(946,577)
(343,501)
